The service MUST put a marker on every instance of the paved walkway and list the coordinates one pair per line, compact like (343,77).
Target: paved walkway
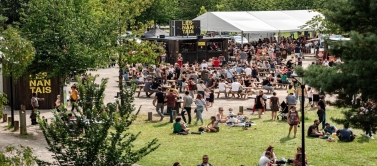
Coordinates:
(36,140)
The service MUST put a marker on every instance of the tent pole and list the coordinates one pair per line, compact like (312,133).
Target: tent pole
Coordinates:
(279,34)
(241,40)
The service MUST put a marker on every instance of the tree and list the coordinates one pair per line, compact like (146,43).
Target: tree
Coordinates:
(160,12)
(68,36)
(16,54)
(189,9)
(355,76)
(12,10)
(99,135)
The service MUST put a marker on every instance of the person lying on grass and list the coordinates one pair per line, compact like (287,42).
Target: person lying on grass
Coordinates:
(179,126)
(212,126)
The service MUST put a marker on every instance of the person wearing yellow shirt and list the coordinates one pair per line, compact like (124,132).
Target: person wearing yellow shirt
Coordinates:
(74,96)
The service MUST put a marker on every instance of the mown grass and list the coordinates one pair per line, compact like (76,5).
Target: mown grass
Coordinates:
(234,146)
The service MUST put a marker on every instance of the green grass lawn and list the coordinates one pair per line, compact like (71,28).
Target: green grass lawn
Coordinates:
(234,146)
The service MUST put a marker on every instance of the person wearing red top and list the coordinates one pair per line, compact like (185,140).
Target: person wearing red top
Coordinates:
(170,101)
(216,62)
(179,60)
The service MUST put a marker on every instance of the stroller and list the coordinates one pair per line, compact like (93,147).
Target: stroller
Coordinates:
(284,111)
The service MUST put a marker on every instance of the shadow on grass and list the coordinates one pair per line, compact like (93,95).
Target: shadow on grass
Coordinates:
(362,139)
(285,139)
(160,124)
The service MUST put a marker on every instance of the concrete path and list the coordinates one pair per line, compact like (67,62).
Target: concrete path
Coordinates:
(36,140)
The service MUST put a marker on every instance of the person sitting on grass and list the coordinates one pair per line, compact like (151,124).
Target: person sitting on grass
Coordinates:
(212,126)
(180,127)
(265,159)
(219,116)
(329,129)
(345,134)
(232,121)
(313,130)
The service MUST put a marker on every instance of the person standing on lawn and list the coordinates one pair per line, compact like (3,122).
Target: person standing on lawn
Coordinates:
(274,104)
(200,104)
(159,98)
(322,111)
(170,101)
(187,101)
(293,120)
(205,161)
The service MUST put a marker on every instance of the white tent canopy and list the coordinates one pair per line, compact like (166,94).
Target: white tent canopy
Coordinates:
(256,21)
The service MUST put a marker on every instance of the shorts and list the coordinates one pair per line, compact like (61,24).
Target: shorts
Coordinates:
(298,54)
(315,97)
(310,99)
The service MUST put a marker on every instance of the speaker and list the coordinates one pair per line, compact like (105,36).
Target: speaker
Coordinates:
(199,37)
(162,36)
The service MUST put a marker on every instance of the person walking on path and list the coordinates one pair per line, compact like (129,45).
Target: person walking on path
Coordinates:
(187,101)
(200,105)
(293,120)
(170,101)
(159,98)
(274,104)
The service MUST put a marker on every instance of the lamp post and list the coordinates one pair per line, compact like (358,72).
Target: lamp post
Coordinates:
(302,84)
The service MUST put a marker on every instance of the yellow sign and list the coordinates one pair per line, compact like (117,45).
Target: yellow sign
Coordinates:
(187,27)
(40,84)
(201,43)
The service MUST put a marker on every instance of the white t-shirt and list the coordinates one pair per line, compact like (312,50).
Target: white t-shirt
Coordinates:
(204,65)
(222,86)
(233,120)
(263,161)
(200,87)
(248,71)
(235,86)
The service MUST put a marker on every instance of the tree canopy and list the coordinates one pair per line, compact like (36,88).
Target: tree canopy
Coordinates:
(355,76)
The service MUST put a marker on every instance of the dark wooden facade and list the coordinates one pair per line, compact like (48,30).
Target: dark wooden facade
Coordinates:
(24,87)
(193,48)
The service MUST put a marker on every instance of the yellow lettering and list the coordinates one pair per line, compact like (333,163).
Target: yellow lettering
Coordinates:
(39,83)
(47,82)
(32,89)
(32,83)
(48,90)
(38,90)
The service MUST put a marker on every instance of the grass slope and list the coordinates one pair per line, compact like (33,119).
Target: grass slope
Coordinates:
(234,146)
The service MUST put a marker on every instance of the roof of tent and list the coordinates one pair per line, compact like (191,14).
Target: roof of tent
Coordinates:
(255,21)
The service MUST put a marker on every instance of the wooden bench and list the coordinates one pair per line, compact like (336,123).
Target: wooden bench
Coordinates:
(139,91)
(218,93)
(242,95)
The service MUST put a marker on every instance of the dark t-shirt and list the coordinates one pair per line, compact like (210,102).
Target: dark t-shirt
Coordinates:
(155,85)
(210,82)
(346,134)
(322,104)
(177,72)
(160,97)
(297,49)
(311,128)
(265,82)
(170,100)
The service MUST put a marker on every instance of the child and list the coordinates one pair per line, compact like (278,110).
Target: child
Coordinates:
(184,85)
(211,97)
(206,96)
